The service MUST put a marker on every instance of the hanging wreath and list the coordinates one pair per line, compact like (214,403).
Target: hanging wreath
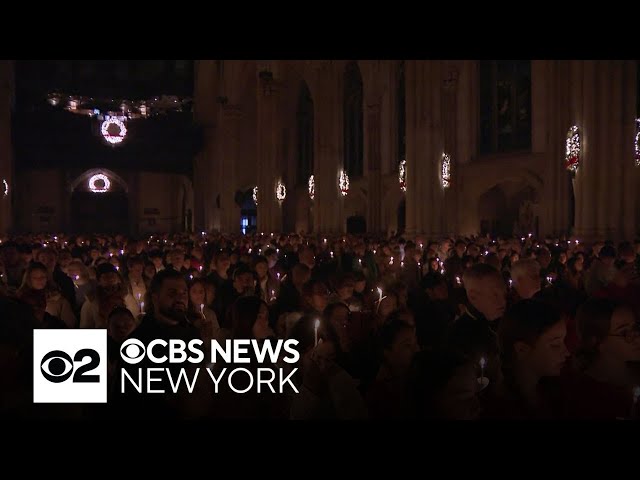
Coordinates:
(255,195)
(312,187)
(402,175)
(572,155)
(446,170)
(5,191)
(637,143)
(99,183)
(113,130)
(343,183)
(281,191)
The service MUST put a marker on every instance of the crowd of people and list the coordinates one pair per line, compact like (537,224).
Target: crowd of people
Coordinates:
(465,328)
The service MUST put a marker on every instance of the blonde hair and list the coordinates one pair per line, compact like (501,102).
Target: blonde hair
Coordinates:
(525,267)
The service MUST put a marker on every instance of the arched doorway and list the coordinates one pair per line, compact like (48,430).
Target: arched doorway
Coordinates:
(248,211)
(356,224)
(99,203)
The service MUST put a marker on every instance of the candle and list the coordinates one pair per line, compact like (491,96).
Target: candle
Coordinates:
(200,268)
(315,331)
(325,240)
(117,268)
(278,275)
(360,261)
(142,308)
(421,246)
(374,251)
(273,295)
(191,277)
(483,381)
(442,271)
(530,235)
(380,295)
(401,264)
(510,283)
(202,311)
(332,255)
(391,261)
(458,282)
(121,252)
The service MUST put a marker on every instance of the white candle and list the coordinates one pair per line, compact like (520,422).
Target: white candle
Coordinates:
(360,261)
(401,264)
(200,268)
(483,363)
(121,252)
(117,268)
(391,261)
(379,295)
(458,282)
(510,283)
(202,311)
(316,326)
(332,255)
(142,307)
(278,275)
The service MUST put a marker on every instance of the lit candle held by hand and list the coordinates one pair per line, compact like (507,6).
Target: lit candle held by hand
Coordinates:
(316,326)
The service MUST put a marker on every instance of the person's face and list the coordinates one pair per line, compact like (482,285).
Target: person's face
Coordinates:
(38,279)
(94,254)
(109,279)
(488,296)
(473,251)
(48,258)
(434,265)
(157,262)
(563,258)
(579,263)
(360,286)
(197,295)
(623,342)
(233,259)
(262,269)
(544,259)
(187,263)
(120,326)
(177,260)
(319,298)
(340,322)
(402,350)
(222,265)
(172,298)
(136,270)
(458,400)
(150,271)
(460,249)
(345,292)
(243,282)
(262,322)
(547,355)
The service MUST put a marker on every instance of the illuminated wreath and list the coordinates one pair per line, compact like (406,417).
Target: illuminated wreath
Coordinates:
(107,128)
(5,190)
(446,170)
(281,192)
(572,155)
(96,180)
(255,195)
(312,187)
(402,175)
(343,183)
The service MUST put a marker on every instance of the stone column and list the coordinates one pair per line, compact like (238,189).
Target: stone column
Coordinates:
(269,139)
(328,150)
(373,154)
(229,212)
(449,132)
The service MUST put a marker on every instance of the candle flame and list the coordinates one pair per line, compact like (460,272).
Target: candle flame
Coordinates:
(316,324)
(483,362)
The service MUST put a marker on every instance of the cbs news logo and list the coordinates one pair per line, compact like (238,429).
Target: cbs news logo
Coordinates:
(70,366)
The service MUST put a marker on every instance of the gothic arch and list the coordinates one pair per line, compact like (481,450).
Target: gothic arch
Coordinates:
(84,178)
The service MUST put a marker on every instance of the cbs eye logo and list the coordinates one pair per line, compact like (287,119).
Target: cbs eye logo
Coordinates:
(70,366)
(132,351)
(57,366)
